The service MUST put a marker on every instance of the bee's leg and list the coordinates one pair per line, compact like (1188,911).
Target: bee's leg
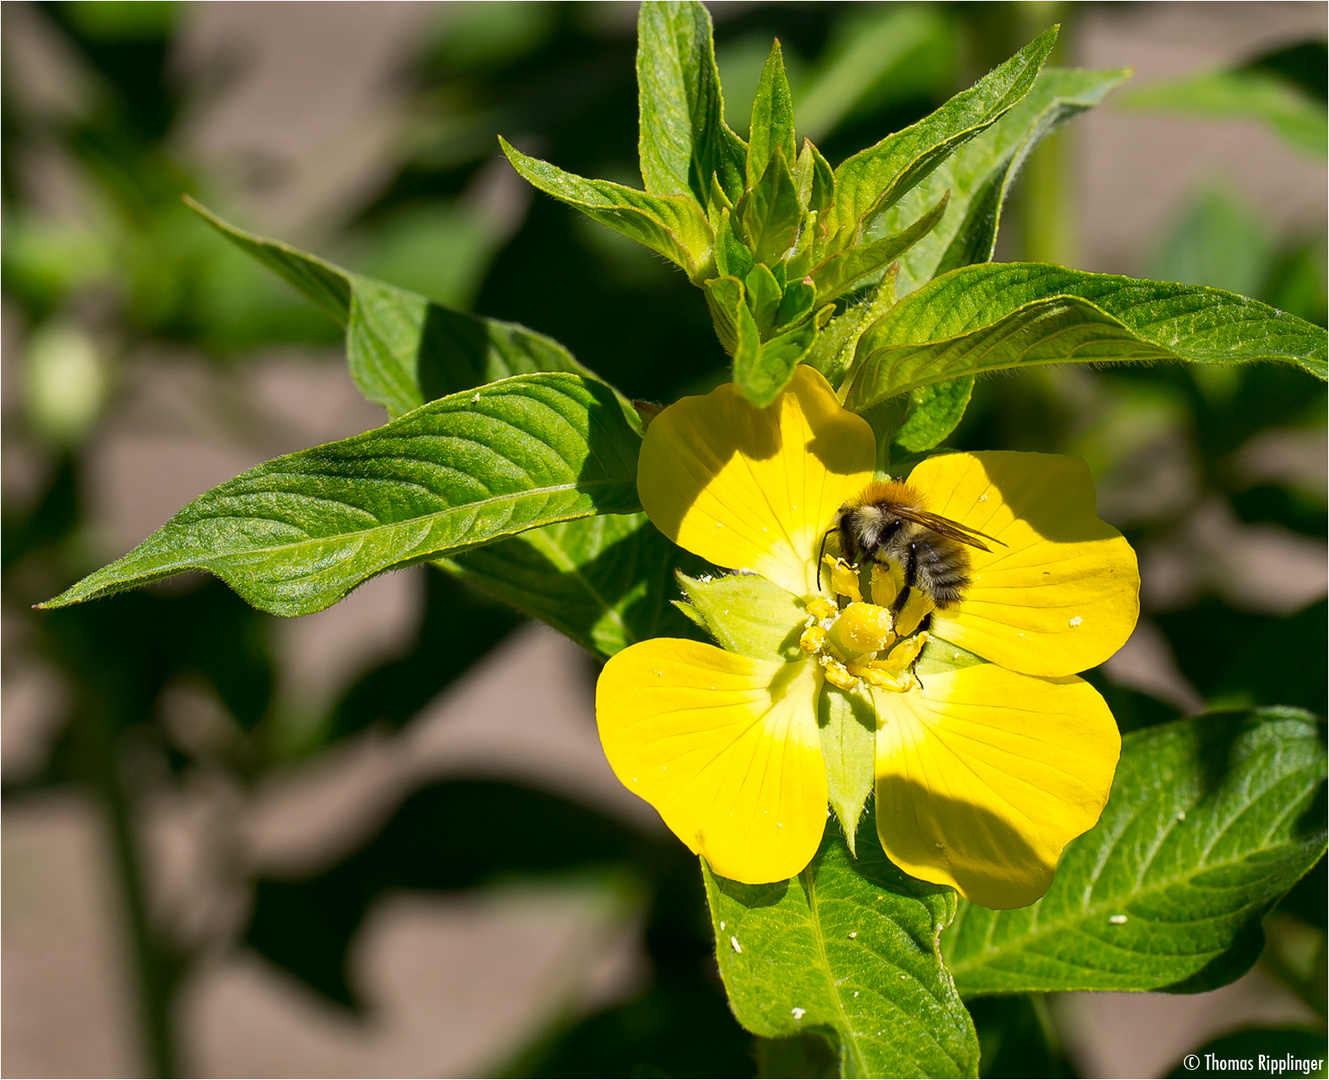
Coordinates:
(910,580)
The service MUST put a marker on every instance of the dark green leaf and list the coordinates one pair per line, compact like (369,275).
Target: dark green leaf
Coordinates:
(403,349)
(732,257)
(683,140)
(296,534)
(873,179)
(980,174)
(848,947)
(770,212)
(606,582)
(844,270)
(1210,821)
(933,413)
(670,225)
(834,351)
(1012,315)
(772,119)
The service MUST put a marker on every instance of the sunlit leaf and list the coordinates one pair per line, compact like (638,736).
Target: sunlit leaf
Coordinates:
(772,127)
(1013,315)
(848,947)
(683,139)
(670,225)
(873,179)
(1210,821)
(296,534)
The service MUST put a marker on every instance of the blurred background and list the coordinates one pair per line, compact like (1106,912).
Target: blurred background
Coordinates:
(382,840)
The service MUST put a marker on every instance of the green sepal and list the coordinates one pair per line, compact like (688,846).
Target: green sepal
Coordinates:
(770,212)
(674,226)
(848,725)
(746,614)
(842,271)
(772,127)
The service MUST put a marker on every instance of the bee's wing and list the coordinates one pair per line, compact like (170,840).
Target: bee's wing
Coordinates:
(946,527)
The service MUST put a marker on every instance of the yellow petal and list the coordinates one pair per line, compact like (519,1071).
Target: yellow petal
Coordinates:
(984,775)
(725,747)
(751,488)
(1060,593)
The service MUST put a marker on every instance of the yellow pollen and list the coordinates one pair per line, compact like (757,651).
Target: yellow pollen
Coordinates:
(836,673)
(864,628)
(821,608)
(844,578)
(886,583)
(915,610)
(812,640)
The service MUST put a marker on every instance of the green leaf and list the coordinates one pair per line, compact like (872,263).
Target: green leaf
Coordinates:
(670,225)
(1211,819)
(683,140)
(848,947)
(834,350)
(771,213)
(402,348)
(763,369)
(1013,315)
(763,295)
(980,174)
(324,284)
(1296,117)
(746,614)
(873,179)
(934,412)
(606,582)
(848,726)
(814,178)
(732,257)
(296,534)
(772,128)
(725,300)
(844,270)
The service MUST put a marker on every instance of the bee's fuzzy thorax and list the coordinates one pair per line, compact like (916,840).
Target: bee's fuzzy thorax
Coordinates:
(888,491)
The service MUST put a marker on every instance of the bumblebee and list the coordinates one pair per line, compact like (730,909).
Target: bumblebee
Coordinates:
(887,522)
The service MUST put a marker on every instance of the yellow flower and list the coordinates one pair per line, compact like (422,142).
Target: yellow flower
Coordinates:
(984,772)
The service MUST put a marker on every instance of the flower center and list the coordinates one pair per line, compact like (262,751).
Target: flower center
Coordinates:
(857,641)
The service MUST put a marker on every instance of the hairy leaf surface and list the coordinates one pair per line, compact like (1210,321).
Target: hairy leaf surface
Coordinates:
(849,947)
(1211,820)
(296,534)
(997,316)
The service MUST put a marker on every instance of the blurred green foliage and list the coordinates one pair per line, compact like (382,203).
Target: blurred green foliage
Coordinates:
(125,267)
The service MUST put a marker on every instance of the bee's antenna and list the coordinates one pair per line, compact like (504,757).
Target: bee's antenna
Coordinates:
(822,554)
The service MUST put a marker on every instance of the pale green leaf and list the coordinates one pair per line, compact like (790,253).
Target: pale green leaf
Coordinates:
(1211,820)
(814,178)
(670,225)
(296,534)
(834,350)
(763,295)
(873,179)
(683,140)
(725,299)
(763,368)
(1299,119)
(994,317)
(770,212)
(849,947)
(772,127)
(979,175)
